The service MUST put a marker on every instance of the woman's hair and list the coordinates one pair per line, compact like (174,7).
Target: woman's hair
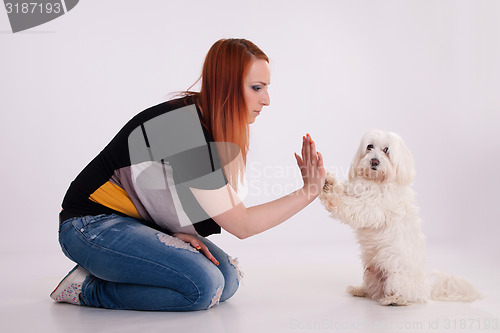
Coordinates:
(221,100)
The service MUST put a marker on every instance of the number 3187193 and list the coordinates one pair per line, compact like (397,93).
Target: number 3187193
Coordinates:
(33,7)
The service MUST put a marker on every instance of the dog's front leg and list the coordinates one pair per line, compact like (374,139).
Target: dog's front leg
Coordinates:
(329,196)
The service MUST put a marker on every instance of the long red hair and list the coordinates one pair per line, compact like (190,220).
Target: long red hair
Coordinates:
(221,100)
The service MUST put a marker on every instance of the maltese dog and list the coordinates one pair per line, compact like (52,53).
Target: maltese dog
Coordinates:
(378,203)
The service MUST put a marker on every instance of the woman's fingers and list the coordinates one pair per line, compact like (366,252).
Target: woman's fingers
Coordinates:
(209,255)
(311,166)
(204,249)
(320,159)
(299,160)
(197,244)
(312,152)
(300,163)
(309,155)
(311,158)
(304,146)
(308,150)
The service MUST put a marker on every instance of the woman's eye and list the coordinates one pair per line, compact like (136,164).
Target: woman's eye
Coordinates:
(386,150)
(369,147)
(256,88)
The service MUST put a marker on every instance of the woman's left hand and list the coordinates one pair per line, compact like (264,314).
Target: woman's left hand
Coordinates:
(197,244)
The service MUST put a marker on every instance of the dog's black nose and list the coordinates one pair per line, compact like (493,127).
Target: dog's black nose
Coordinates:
(374,162)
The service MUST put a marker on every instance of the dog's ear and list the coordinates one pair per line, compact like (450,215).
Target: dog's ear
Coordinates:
(354,168)
(402,161)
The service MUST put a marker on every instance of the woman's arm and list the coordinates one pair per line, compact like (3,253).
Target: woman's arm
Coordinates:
(244,222)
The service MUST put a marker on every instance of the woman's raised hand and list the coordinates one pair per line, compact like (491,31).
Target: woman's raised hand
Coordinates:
(311,167)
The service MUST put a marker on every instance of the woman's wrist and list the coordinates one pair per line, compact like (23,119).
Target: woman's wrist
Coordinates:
(311,191)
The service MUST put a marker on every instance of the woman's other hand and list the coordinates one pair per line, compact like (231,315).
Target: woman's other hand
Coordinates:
(197,244)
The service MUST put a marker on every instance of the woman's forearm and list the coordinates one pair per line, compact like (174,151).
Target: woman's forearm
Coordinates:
(268,215)
(243,222)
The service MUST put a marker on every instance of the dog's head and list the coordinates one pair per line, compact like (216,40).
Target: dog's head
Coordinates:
(383,157)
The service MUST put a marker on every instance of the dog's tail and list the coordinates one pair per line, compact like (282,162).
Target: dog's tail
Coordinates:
(452,288)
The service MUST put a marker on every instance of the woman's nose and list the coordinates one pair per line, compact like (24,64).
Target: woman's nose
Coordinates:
(266,100)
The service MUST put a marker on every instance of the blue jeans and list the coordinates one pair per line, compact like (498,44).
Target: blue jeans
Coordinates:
(134,266)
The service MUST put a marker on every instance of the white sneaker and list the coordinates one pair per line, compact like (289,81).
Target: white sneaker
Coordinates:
(70,288)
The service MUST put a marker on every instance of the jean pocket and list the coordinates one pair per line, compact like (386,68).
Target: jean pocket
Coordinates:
(92,226)
(66,225)
(92,219)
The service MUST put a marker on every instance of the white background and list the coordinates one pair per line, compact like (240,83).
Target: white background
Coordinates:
(428,70)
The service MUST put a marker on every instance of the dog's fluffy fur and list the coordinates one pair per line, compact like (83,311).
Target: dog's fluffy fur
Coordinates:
(378,203)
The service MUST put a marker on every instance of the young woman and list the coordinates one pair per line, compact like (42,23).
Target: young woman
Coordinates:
(135,219)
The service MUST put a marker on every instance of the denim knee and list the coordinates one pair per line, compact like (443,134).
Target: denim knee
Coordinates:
(210,290)
(232,278)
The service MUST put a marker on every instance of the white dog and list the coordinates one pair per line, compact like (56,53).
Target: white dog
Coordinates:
(378,202)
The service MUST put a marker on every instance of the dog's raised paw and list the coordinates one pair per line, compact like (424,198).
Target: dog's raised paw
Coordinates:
(329,182)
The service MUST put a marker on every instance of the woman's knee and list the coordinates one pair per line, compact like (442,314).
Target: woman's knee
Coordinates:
(232,276)
(210,289)
(228,267)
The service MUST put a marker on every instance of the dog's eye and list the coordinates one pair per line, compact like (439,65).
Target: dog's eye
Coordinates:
(386,150)
(369,147)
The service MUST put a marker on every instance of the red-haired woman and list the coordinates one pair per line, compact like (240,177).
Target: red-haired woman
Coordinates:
(135,219)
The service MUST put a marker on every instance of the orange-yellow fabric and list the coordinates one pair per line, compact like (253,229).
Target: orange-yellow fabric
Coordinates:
(114,197)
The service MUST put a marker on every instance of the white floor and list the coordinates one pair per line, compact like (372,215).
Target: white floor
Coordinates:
(285,289)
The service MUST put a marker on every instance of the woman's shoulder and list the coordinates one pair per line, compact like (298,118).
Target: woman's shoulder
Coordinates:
(158,110)
(165,107)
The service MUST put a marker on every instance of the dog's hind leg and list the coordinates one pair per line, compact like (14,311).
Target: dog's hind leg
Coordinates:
(357,291)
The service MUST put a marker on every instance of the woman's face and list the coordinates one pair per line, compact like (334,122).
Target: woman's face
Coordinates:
(255,85)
